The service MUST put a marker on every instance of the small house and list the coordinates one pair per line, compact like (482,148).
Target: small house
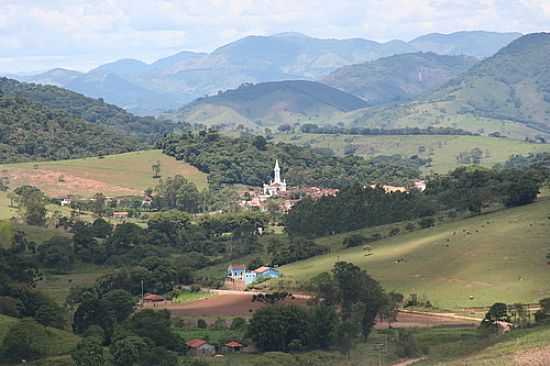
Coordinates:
(200,347)
(233,346)
(267,273)
(120,215)
(153,298)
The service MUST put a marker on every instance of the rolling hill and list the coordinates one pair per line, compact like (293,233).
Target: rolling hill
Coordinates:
(510,88)
(178,79)
(399,78)
(472,262)
(271,103)
(113,175)
(30,131)
(94,111)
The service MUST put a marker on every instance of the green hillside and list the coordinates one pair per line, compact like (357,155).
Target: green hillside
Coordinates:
(508,93)
(271,103)
(494,257)
(56,343)
(113,175)
(30,131)
(78,106)
(443,150)
(398,78)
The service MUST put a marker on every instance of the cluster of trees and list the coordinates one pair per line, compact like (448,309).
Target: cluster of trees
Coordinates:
(465,189)
(338,130)
(359,297)
(94,111)
(292,250)
(31,131)
(250,159)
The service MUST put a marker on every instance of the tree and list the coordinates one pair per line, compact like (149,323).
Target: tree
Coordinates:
(156,326)
(99,204)
(128,351)
(34,204)
(497,312)
(156,169)
(88,352)
(57,253)
(323,323)
(120,303)
(274,328)
(50,314)
(25,340)
(101,228)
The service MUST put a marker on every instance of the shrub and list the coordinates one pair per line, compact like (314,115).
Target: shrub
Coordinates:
(354,240)
(395,231)
(8,306)
(410,226)
(238,324)
(201,323)
(426,222)
(406,344)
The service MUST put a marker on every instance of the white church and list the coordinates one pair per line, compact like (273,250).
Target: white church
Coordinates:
(276,185)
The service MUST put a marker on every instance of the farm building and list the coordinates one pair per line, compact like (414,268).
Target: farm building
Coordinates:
(153,298)
(233,346)
(267,272)
(239,277)
(200,347)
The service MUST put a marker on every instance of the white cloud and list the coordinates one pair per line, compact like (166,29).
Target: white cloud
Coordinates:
(82,30)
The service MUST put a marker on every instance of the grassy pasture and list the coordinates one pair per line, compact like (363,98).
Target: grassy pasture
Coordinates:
(113,175)
(495,257)
(58,342)
(443,150)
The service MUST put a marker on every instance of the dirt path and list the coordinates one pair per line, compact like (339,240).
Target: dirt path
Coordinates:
(409,362)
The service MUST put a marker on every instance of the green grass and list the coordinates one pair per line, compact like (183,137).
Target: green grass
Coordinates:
(215,336)
(114,175)
(457,347)
(443,150)
(58,286)
(188,296)
(59,342)
(502,260)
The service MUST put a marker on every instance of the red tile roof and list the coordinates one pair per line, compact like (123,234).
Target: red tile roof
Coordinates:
(196,343)
(262,269)
(233,344)
(153,297)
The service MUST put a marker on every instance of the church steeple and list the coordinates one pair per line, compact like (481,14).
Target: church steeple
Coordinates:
(277,171)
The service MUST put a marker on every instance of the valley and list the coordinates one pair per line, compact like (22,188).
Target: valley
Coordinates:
(198,193)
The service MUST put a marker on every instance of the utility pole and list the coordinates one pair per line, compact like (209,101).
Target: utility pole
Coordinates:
(142,296)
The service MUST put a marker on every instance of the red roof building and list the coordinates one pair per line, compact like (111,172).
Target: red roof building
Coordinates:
(196,343)
(153,298)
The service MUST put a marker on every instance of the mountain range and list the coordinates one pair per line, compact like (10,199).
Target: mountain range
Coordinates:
(176,80)
(509,91)
(398,78)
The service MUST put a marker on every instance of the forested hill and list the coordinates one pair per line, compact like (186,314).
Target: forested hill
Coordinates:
(398,78)
(250,159)
(514,84)
(29,131)
(272,103)
(92,110)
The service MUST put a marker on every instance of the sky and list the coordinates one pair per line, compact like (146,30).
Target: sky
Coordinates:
(37,35)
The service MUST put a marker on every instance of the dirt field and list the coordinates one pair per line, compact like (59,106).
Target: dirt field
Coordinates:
(232,305)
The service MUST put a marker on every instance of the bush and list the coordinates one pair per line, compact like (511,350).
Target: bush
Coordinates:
(406,345)
(395,231)
(8,306)
(426,222)
(238,324)
(50,315)
(354,240)
(201,323)
(410,226)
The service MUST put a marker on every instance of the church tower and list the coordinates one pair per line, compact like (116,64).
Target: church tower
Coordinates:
(277,171)
(276,186)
